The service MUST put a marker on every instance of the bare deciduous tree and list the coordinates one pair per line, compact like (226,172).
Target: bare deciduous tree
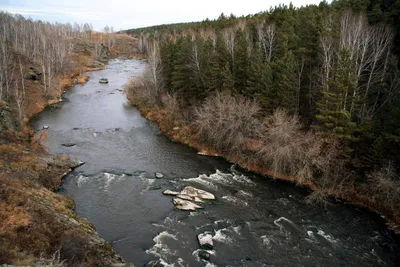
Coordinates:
(229,38)
(153,74)
(227,121)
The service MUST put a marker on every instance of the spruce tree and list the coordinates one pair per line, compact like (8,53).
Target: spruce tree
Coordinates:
(240,63)
(180,81)
(333,109)
(259,78)
(221,78)
(285,83)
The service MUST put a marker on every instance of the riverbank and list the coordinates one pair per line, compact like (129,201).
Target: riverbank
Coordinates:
(358,194)
(37,225)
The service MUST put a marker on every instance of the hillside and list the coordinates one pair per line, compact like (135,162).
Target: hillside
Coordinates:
(38,61)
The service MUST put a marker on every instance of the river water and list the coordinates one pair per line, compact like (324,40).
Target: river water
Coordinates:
(255,221)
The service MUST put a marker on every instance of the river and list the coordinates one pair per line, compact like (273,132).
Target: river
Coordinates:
(255,221)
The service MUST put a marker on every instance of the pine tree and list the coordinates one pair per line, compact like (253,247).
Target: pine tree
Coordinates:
(375,15)
(221,78)
(333,114)
(285,83)
(180,75)
(259,78)
(240,63)
(168,54)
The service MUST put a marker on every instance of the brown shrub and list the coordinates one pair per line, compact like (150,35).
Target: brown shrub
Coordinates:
(72,249)
(140,93)
(292,151)
(227,121)
(385,186)
(171,109)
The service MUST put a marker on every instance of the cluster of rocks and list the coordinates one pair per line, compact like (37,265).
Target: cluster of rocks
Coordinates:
(189,198)
(206,244)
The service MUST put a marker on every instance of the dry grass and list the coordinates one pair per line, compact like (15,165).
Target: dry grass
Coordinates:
(38,226)
(35,223)
(20,163)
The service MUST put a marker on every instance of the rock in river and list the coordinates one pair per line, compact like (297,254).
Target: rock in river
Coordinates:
(185,197)
(194,192)
(185,204)
(205,240)
(103,80)
(68,144)
(170,193)
(159,175)
(203,254)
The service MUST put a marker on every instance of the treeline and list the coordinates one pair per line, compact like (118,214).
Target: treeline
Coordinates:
(46,45)
(287,88)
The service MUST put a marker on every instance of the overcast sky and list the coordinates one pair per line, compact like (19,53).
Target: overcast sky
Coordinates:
(127,14)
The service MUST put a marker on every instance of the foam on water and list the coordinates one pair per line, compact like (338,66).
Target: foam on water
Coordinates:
(160,249)
(221,237)
(235,200)
(237,229)
(266,241)
(278,223)
(82,180)
(202,179)
(328,237)
(110,178)
(244,193)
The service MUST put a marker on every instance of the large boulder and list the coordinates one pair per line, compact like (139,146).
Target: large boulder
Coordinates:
(205,240)
(204,254)
(103,80)
(194,192)
(159,175)
(170,193)
(185,204)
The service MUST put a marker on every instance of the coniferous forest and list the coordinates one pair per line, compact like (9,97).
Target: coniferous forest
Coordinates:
(311,93)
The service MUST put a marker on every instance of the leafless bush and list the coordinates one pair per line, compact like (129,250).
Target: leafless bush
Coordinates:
(172,111)
(140,93)
(227,121)
(286,148)
(386,185)
(54,261)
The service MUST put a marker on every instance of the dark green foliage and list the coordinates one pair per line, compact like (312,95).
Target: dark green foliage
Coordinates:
(285,83)
(333,107)
(240,63)
(221,78)
(259,82)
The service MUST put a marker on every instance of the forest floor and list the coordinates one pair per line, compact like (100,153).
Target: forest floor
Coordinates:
(38,225)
